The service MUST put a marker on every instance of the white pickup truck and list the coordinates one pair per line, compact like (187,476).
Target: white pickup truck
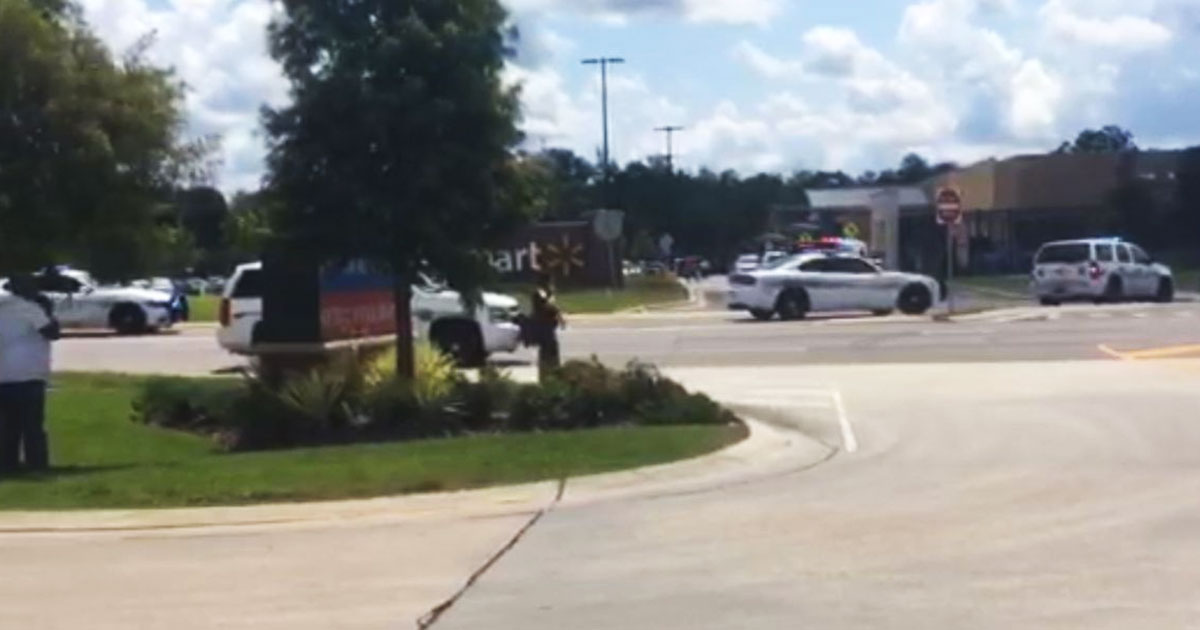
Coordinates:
(438,315)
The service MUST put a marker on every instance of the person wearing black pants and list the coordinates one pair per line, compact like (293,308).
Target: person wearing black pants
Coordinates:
(546,319)
(27,326)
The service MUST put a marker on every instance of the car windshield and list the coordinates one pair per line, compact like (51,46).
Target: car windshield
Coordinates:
(778,262)
(1066,253)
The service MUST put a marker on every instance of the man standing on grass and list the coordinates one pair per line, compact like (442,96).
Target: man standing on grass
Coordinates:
(27,326)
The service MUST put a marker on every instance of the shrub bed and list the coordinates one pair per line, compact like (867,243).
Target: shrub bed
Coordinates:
(361,400)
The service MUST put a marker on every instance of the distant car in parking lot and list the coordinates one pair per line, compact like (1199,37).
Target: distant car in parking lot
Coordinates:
(1099,269)
(814,282)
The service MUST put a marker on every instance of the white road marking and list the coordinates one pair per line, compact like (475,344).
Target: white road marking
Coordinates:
(957,333)
(776,402)
(849,440)
(1185,314)
(1141,315)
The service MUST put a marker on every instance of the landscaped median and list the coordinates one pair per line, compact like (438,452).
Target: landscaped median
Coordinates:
(126,442)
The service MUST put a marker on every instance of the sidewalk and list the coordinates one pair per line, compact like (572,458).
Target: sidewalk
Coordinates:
(768,450)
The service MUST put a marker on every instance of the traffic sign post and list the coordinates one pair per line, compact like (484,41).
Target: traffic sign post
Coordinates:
(949,208)
(609,225)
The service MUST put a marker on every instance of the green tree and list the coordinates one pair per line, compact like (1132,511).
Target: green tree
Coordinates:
(395,149)
(1107,139)
(89,146)
(248,226)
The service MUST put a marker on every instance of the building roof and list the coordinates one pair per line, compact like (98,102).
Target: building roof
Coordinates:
(909,197)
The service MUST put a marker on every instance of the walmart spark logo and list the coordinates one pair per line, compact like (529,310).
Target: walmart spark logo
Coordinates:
(562,257)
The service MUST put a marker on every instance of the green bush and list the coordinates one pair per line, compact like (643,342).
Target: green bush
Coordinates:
(187,404)
(357,400)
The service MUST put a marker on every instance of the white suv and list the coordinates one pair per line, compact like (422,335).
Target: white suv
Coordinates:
(438,315)
(1101,269)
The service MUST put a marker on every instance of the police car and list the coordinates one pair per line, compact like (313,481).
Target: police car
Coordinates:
(823,282)
(81,303)
(1099,269)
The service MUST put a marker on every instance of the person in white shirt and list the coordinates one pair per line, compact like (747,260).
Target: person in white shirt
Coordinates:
(27,327)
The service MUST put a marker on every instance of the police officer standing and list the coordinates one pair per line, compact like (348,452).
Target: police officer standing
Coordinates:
(546,318)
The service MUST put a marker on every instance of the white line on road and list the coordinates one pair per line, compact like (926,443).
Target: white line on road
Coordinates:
(849,441)
(1141,315)
(778,402)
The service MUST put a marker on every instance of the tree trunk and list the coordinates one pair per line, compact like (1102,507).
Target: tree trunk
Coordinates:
(402,291)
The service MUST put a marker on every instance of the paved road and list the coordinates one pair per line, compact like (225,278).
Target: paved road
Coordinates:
(1010,495)
(716,338)
(1000,472)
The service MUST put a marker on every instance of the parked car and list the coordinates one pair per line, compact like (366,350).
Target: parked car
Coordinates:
(79,303)
(813,282)
(1103,270)
(438,315)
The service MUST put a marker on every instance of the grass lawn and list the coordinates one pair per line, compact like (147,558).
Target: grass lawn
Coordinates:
(104,460)
(204,307)
(638,291)
(1187,279)
(1017,285)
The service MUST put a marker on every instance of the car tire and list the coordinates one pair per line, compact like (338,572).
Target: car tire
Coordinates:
(792,305)
(462,341)
(1049,302)
(762,315)
(127,319)
(1114,292)
(1166,291)
(915,300)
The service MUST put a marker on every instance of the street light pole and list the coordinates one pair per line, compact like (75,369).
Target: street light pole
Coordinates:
(604,62)
(669,131)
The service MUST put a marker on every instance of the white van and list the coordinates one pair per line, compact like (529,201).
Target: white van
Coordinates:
(1100,269)
(438,315)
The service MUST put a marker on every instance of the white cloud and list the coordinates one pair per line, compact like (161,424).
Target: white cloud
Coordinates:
(758,12)
(218,48)
(1035,102)
(765,64)
(1123,32)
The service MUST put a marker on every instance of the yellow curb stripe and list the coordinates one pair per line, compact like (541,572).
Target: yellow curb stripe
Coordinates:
(1165,353)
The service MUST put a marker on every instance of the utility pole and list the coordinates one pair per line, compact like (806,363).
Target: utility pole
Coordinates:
(669,131)
(604,62)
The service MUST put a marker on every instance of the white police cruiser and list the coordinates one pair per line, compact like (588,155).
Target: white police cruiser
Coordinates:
(81,303)
(822,282)
(1099,269)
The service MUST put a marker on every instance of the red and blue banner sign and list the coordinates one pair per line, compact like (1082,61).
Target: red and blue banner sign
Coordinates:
(356,303)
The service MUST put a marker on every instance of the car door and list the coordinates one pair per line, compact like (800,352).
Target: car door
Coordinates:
(834,284)
(865,288)
(62,291)
(1143,270)
(1126,270)
(817,279)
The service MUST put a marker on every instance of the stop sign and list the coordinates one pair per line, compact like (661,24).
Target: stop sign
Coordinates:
(949,205)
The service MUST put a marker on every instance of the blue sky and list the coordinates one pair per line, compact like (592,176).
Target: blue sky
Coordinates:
(774,85)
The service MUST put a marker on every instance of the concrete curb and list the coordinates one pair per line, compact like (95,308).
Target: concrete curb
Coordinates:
(766,451)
